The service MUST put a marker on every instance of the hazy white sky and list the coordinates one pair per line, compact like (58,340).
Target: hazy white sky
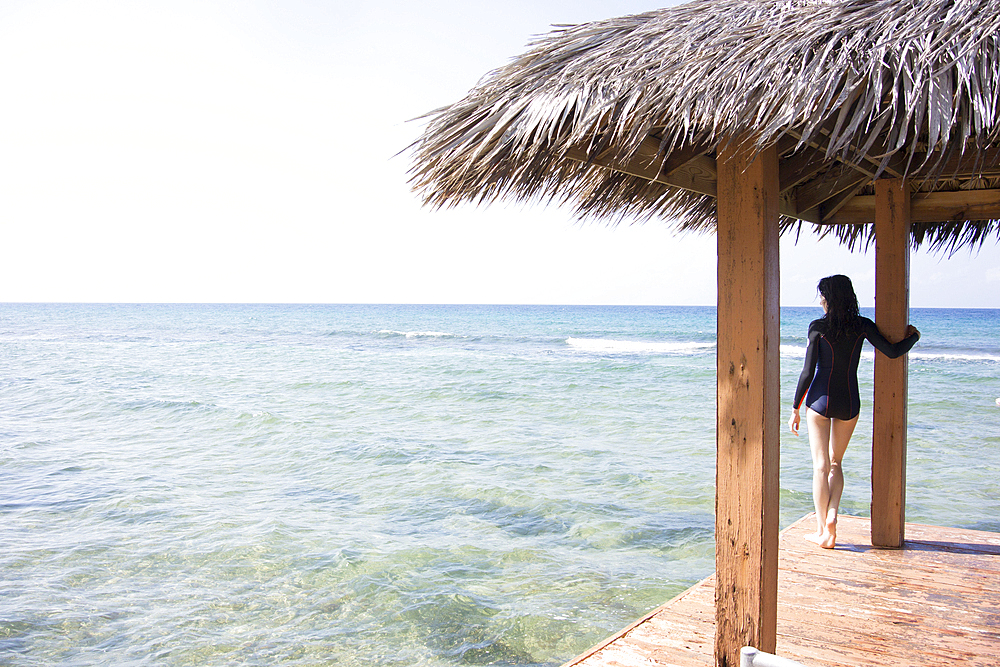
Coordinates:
(243,151)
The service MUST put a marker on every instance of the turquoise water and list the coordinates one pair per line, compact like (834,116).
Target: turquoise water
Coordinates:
(401,485)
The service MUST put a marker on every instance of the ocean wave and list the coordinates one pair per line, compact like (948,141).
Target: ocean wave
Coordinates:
(955,356)
(610,346)
(868,354)
(418,334)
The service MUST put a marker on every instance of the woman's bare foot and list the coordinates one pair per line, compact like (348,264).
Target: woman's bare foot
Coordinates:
(830,534)
(816,538)
(826,536)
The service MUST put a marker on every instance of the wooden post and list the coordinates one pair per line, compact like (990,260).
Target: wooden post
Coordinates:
(746,495)
(892,307)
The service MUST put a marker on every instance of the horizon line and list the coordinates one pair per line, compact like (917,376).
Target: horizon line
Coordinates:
(430,304)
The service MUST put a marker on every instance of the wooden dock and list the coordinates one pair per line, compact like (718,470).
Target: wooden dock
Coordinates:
(934,602)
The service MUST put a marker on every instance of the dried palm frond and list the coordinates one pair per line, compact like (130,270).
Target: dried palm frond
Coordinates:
(879,82)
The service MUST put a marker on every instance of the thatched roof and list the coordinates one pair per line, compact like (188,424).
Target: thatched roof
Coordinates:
(623,117)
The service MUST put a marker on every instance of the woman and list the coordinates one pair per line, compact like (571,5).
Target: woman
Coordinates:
(828,386)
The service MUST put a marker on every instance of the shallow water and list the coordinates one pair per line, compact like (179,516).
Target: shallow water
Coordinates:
(401,485)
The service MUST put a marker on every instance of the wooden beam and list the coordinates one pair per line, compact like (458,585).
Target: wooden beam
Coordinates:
(696,175)
(868,164)
(966,165)
(801,167)
(787,143)
(892,305)
(787,207)
(810,195)
(833,204)
(747,412)
(683,156)
(955,206)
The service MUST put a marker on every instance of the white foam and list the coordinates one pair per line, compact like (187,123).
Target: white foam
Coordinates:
(610,346)
(954,357)
(868,354)
(417,334)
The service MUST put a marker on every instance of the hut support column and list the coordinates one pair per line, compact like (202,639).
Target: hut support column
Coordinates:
(747,412)
(892,306)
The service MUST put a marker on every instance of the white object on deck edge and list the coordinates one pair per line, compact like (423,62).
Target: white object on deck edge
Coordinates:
(751,657)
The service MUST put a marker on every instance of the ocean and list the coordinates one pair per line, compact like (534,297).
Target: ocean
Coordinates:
(403,485)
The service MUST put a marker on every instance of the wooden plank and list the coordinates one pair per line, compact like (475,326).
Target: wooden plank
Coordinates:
(746,505)
(597,654)
(882,599)
(811,194)
(799,176)
(696,173)
(838,201)
(917,574)
(869,164)
(936,601)
(671,632)
(960,165)
(689,168)
(956,206)
(867,606)
(684,155)
(801,167)
(892,314)
(955,539)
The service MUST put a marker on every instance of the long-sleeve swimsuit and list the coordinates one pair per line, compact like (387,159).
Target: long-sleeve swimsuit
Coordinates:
(829,381)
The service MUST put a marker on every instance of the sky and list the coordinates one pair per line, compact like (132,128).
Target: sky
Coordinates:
(254,151)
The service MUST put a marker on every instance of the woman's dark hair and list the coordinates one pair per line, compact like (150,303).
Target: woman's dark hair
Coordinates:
(841,304)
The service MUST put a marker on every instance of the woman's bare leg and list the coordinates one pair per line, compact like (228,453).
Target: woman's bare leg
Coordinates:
(840,436)
(819,444)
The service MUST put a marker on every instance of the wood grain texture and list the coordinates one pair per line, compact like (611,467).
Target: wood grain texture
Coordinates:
(935,601)
(696,173)
(892,308)
(747,447)
(926,207)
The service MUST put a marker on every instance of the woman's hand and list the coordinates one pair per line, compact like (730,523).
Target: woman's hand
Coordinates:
(793,423)
(910,330)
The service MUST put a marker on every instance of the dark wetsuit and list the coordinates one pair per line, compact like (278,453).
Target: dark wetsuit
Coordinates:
(831,370)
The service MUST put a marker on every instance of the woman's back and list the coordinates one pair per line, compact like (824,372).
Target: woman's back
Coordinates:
(830,375)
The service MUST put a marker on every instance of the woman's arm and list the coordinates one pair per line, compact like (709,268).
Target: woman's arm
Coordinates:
(805,377)
(881,343)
